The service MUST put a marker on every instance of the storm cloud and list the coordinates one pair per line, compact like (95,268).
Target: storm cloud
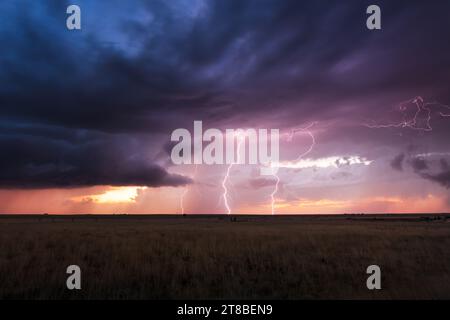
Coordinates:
(95,107)
(442,178)
(397,162)
(42,162)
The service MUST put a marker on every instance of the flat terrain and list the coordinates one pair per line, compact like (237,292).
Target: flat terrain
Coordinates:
(175,257)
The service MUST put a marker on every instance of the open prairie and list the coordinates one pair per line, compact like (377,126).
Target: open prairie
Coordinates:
(217,257)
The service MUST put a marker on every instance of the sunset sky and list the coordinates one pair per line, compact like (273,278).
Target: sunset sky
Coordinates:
(86,116)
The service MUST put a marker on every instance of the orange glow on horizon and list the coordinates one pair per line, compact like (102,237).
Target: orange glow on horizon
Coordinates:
(428,204)
(165,200)
(114,195)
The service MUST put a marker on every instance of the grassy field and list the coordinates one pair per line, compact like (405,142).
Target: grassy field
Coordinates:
(312,257)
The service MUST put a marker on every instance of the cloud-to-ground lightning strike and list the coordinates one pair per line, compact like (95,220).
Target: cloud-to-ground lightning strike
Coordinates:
(227,175)
(274,192)
(412,123)
(185,191)
(289,138)
(182,199)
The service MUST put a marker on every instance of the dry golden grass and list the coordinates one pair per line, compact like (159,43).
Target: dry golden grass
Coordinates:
(186,258)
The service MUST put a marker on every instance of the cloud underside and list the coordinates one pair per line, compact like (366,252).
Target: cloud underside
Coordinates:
(422,167)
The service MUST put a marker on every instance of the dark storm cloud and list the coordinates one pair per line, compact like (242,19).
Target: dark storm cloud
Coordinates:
(442,178)
(439,174)
(42,162)
(397,162)
(232,57)
(148,67)
(444,164)
(419,164)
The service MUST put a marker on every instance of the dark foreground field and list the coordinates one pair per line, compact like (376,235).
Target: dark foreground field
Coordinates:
(129,257)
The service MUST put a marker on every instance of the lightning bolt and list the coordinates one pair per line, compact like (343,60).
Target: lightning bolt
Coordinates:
(308,132)
(185,191)
(227,175)
(289,138)
(275,191)
(412,122)
(182,199)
